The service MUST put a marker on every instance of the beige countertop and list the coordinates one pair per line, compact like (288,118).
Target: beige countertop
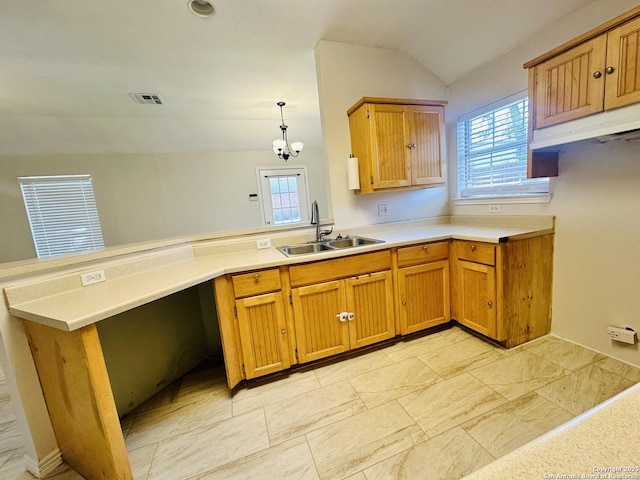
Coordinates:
(62,302)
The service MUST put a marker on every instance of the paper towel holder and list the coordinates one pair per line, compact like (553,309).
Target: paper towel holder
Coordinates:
(353,173)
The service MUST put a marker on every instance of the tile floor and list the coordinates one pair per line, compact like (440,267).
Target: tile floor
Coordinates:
(439,406)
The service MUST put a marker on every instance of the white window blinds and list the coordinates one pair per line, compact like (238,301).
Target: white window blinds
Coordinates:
(62,214)
(492,153)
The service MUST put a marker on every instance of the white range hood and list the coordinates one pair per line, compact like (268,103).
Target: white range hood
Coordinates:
(619,124)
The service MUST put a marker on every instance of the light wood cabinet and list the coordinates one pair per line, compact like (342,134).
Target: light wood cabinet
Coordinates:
(399,143)
(595,72)
(341,314)
(503,290)
(255,331)
(423,286)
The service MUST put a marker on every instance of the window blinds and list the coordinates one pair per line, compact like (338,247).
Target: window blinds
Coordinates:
(492,153)
(62,214)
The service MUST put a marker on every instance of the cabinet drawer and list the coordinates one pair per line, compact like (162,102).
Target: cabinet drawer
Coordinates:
(351,266)
(255,283)
(477,252)
(424,253)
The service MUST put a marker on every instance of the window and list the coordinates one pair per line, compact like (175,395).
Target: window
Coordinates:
(492,152)
(284,195)
(62,214)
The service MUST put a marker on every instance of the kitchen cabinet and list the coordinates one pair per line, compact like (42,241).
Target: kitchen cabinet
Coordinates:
(503,290)
(257,339)
(342,304)
(595,72)
(399,143)
(423,286)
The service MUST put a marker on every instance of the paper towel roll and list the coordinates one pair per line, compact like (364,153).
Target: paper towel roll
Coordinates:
(353,173)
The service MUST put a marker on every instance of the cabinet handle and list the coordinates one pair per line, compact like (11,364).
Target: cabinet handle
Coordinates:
(257,276)
(490,303)
(473,248)
(597,74)
(609,70)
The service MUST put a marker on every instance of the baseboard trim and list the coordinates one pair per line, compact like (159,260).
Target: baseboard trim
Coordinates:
(46,465)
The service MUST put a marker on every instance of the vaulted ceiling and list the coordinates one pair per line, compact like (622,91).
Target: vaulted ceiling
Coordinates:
(67,66)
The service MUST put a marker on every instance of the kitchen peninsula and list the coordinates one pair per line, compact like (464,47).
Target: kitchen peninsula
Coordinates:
(60,315)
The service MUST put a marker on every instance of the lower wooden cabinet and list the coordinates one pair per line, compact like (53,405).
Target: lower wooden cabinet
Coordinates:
(263,334)
(503,290)
(340,315)
(423,286)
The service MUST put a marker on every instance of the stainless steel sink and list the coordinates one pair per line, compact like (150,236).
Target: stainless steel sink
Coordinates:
(352,242)
(337,244)
(304,249)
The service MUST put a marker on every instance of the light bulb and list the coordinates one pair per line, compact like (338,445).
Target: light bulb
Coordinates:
(297,146)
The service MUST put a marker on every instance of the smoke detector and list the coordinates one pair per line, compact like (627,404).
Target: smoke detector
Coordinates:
(147,98)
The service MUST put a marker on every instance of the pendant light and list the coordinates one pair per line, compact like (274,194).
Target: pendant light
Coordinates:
(281,146)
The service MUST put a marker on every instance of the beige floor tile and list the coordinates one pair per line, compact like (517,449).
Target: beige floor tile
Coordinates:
(393,381)
(309,411)
(290,460)
(449,455)
(141,459)
(511,425)
(419,346)
(175,419)
(623,369)
(344,448)
(461,357)
(205,449)
(518,374)
(357,476)
(452,402)
(566,354)
(584,389)
(260,396)
(352,367)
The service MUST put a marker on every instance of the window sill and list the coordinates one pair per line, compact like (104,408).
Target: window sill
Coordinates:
(503,199)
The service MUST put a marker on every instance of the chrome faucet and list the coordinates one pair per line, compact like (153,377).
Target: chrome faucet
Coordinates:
(315,220)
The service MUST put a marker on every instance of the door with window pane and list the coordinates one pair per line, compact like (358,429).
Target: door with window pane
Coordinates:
(284,195)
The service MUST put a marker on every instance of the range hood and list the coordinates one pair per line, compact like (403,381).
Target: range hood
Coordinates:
(613,125)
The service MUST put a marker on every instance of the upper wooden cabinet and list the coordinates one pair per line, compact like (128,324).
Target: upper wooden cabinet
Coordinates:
(399,143)
(592,73)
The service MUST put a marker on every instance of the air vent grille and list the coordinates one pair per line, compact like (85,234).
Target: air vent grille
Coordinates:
(147,98)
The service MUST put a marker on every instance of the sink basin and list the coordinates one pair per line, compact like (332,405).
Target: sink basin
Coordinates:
(338,244)
(352,242)
(304,249)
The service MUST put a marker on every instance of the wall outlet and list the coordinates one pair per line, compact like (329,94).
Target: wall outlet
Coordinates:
(382,210)
(263,243)
(494,208)
(93,277)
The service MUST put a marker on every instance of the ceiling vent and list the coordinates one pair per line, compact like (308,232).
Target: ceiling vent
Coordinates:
(147,98)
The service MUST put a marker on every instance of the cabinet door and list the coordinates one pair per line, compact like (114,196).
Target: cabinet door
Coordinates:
(390,146)
(263,334)
(423,291)
(319,332)
(623,63)
(427,151)
(571,85)
(370,299)
(476,297)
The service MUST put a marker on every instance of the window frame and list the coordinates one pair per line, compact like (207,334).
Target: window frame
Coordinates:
(50,198)
(266,205)
(527,191)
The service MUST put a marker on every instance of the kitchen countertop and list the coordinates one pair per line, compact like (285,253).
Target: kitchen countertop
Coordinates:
(63,303)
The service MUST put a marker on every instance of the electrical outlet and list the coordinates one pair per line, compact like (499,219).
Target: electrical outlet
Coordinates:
(494,208)
(382,210)
(93,277)
(263,243)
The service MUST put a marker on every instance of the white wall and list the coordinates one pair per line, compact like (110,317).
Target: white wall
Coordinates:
(152,196)
(596,200)
(347,73)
